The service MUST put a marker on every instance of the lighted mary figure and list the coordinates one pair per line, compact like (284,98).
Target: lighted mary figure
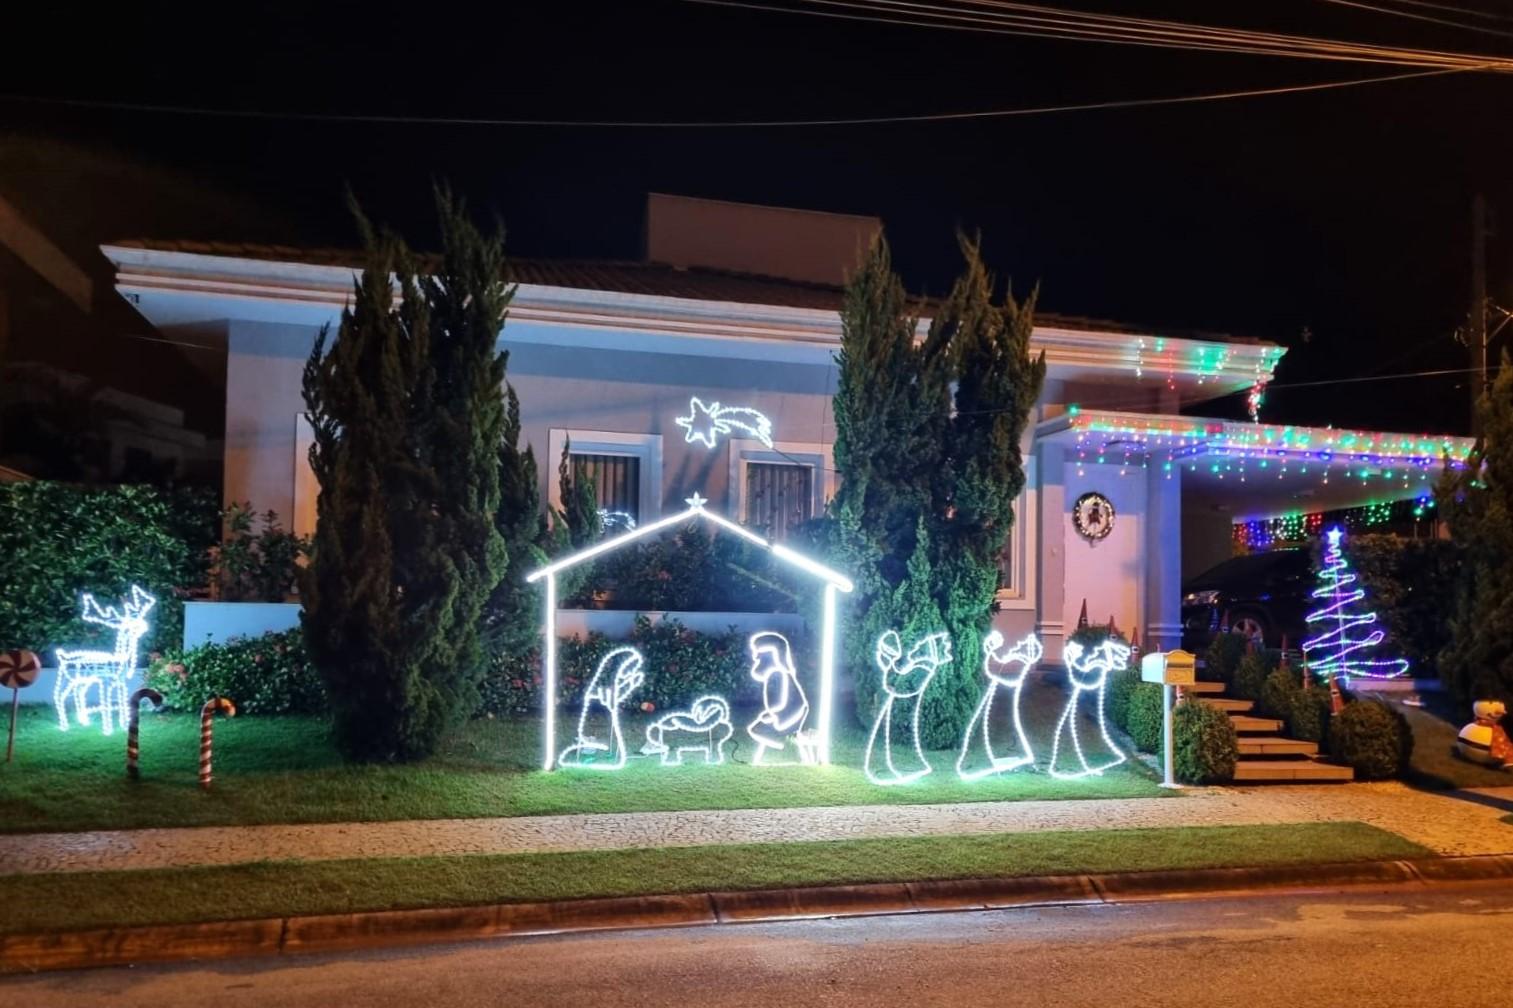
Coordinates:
(1075,751)
(894,755)
(620,673)
(1005,671)
(785,708)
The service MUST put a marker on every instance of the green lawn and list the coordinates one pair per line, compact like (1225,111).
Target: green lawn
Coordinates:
(1435,762)
(56,902)
(284,770)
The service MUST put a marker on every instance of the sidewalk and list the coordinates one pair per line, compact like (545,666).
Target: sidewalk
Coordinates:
(1449,823)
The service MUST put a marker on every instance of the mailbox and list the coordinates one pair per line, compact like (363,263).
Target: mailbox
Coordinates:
(1171,668)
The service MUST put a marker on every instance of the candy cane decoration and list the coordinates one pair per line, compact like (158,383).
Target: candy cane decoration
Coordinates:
(211,706)
(135,709)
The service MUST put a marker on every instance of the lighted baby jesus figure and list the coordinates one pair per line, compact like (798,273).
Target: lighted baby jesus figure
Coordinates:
(784,705)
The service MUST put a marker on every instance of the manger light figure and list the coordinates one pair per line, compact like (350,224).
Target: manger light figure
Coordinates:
(104,672)
(902,683)
(619,674)
(1005,671)
(833,583)
(785,708)
(1087,669)
(705,423)
(704,728)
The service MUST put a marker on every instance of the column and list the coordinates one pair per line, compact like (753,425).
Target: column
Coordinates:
(1050,542)
(1163,560)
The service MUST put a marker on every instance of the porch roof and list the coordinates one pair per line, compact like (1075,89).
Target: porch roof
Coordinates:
(1260,470)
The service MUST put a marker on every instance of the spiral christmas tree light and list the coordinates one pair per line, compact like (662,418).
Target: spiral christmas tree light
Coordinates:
(1336,651)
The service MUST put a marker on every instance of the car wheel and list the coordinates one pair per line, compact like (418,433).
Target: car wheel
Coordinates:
(1251,626)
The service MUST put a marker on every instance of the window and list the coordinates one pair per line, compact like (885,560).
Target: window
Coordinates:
(1016,562)
(626,469)
(774,490)
(617,482)
(779,497)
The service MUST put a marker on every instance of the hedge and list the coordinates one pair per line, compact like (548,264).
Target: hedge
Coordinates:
(1411,584)
(1371,737)
(269,674)
(60,540)
(1146,713)
(1204,746)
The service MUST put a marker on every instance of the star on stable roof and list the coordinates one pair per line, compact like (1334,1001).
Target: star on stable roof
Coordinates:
(696,501)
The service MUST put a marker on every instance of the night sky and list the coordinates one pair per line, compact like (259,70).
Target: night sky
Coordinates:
(1336,223)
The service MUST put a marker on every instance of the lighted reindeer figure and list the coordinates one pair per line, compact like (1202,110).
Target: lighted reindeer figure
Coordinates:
(104,671)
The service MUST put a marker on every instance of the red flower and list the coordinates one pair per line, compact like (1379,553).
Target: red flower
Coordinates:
(648,706)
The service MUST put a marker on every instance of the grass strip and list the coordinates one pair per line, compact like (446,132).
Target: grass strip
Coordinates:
(285,770)
(182,895)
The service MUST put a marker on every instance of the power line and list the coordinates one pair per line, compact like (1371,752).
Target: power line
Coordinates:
(263,114)
(1001,17)
(1420,17)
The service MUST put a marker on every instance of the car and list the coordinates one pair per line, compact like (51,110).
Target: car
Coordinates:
(1264,596)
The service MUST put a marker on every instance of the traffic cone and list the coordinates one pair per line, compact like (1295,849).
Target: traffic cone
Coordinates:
(1082,616)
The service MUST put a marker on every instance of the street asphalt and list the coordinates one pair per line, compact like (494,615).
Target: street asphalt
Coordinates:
(1445,945)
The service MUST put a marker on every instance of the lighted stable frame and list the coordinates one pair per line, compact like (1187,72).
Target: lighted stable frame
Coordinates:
(833,582)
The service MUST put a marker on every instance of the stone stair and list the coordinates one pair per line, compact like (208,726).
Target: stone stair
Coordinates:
(1266,756)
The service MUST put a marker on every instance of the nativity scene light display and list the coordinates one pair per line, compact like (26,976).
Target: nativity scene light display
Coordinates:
(793,726)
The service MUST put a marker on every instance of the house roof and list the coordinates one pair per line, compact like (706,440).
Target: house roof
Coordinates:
(634,277)
(695,510)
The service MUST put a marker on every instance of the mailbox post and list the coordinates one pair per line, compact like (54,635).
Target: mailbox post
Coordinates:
(1170,669)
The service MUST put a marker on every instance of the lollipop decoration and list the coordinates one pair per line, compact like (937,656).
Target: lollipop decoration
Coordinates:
(18,668)
(134,711)
(212,705)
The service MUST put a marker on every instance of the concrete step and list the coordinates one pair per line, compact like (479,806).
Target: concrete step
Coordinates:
(1275,745)
(1245,724)
(1204,686)
(1253,771)
(1233,706)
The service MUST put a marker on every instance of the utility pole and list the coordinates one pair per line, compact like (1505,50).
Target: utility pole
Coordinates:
(1478,322)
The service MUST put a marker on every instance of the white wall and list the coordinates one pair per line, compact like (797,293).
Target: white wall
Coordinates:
(1109,572)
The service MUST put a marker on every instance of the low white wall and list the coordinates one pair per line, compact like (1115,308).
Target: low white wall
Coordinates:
(41,691)
(616,623)
(218,622)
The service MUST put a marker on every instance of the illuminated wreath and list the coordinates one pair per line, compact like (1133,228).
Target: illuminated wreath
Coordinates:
(1086,516)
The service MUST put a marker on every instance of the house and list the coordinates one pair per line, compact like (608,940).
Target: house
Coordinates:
(1124,495)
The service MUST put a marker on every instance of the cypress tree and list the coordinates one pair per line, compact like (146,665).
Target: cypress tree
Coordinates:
(1478,503)
(928,448)
(408,416)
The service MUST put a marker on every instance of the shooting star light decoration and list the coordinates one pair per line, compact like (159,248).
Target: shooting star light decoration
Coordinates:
(706,422)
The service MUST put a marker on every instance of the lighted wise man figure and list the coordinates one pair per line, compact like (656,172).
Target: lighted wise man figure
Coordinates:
(784,705)
(1087,669)
(1006,671)
(894,755)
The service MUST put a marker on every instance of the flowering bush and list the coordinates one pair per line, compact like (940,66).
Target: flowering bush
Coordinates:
(271,674)
(681,664)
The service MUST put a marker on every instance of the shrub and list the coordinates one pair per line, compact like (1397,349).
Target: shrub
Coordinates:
(1412,584)
(1371,737)
(1121,688)
(1145,716)
(1275,698)
(1308,716)
(257,566)
(1223,656)
(1204,746)
(681,665)
(60,540)
(1250,675)
(271,674)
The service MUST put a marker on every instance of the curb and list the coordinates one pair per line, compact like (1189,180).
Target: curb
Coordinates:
(30,953)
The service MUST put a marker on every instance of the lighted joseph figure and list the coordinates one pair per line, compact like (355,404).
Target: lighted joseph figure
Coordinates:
(105,672)
(785,708)
(1087,669)
(1006,671)
(898,760)
(620,673)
